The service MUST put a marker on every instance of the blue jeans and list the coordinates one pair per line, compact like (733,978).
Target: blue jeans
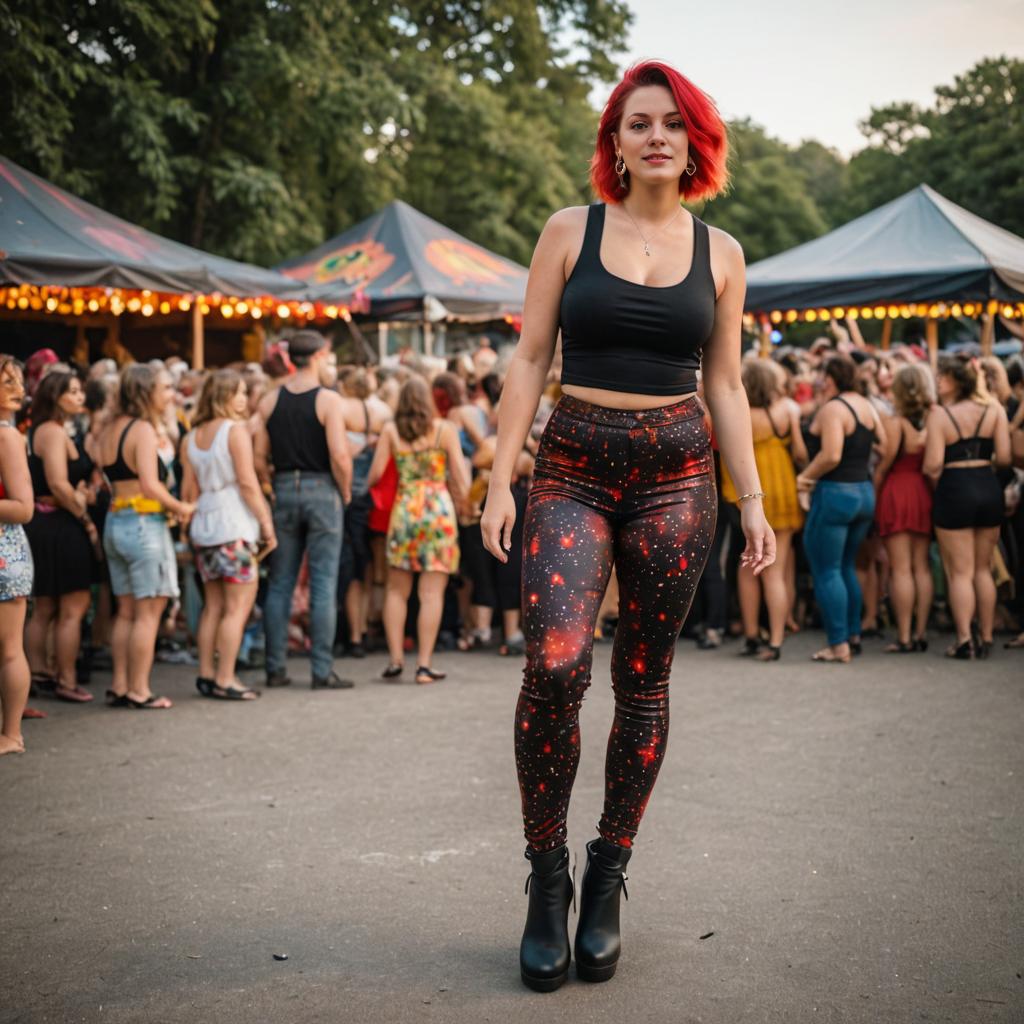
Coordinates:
(836,526)
(307,519)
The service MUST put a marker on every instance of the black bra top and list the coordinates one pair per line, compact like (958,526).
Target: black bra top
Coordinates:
(853,465)
(119,468)
(79,469)
(969,449)
(624,336)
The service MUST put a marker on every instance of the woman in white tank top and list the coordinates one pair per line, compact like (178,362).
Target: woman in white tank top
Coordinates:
(231,528)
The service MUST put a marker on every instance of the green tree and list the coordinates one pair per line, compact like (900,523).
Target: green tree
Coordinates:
(967,146)
(769,206)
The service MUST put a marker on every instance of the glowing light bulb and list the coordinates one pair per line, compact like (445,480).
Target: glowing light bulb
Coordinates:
(147,309)
(283,311)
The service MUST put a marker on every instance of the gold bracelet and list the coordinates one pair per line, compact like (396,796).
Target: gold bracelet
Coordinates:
(753,494)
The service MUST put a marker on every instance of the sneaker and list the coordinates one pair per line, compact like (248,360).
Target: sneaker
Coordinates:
(332,681)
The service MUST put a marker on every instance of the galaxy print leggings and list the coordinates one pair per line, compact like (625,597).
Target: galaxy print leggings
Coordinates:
(633,488)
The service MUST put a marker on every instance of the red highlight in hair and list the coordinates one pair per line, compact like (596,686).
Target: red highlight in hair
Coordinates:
(708,141)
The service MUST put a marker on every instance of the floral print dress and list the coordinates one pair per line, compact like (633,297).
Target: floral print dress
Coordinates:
(422,533)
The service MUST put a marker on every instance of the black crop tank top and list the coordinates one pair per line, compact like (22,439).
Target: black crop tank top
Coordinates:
(854,463)
(119,468)
(298,440)
(969,449)
(624,336)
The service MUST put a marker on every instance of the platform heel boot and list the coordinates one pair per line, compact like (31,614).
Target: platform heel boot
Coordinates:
(597,934)
(544,952)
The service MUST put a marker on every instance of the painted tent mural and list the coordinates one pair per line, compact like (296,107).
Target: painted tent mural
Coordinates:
(399,263)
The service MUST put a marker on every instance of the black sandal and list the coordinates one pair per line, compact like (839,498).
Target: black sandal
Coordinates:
(233,693)
(431,675)
(769,653)
(205,685)
(962,652)
(751,645)
(392,672)
(149,704)
(116,700)
(921,643)
(899,647)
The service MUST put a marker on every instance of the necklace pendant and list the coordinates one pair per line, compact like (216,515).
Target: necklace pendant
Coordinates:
(647,252)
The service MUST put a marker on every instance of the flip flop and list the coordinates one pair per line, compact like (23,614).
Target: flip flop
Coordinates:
(116,700)
(32,713)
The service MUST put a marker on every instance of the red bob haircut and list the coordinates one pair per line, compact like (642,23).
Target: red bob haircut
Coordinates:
(709,144)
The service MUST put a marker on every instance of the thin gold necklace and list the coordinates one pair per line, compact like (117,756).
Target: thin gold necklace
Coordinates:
(647,248)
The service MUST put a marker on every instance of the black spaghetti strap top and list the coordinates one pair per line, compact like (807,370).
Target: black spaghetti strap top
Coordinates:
(298,440)
(119,468)
(969,449)
(853,465)
(624,336)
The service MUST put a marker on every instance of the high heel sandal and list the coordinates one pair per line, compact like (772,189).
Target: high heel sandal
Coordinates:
(769,653)
(751,645)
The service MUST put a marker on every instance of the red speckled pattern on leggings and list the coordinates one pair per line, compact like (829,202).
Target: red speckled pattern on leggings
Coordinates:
(633,488)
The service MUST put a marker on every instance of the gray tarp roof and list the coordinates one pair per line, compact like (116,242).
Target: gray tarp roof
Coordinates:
(918,248)
(400,261)
(50,237)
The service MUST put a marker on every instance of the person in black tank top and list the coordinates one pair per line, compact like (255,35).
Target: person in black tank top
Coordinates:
(967,438)
(645,296)
(842,506)
(62,536)
(301,447)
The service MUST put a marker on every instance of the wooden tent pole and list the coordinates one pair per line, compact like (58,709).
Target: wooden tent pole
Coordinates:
(931,333)
(198,339)
(382,341)
(428,338)
(988,333)
(886,333)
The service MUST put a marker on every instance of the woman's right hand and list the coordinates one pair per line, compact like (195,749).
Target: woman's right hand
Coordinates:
(268,539)
(497,521)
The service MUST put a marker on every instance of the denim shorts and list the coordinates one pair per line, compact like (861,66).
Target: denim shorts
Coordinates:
(140,555)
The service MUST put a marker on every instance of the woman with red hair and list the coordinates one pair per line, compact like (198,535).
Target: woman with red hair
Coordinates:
(644,295)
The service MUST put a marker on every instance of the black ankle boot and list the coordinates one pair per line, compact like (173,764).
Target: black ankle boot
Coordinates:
(544,952)
(597,935)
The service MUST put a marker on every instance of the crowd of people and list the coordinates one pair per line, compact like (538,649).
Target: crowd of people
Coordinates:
(301,508)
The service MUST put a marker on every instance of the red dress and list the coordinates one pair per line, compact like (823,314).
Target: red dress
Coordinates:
(905,500)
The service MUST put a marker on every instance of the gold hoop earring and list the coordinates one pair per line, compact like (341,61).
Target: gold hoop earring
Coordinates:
(620,170)
(691,167)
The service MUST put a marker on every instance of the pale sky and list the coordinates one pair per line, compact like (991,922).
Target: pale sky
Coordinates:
(813,70)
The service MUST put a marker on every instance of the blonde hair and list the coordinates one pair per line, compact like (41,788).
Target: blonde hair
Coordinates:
(913,392)
(215,399)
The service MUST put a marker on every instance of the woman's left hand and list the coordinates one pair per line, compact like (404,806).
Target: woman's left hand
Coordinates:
(760,550)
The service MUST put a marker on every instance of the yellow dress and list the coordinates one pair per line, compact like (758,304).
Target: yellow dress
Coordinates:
(778,481)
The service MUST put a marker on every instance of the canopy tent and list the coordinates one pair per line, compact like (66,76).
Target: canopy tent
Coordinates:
(50,237)
(919,248)
(61,255)
(401,264)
